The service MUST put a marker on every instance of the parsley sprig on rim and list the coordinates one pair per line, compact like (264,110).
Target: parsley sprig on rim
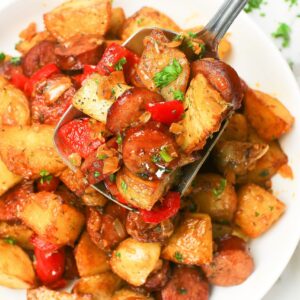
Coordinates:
(284,32)
(168,74)
(253,4)
(45,176)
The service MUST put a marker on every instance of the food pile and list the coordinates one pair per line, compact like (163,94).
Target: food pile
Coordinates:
(143,118)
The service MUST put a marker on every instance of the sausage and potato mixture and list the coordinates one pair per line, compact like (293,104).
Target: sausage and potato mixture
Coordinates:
(144,118)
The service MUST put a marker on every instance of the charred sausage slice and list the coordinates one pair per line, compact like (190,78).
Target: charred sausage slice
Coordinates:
(185,284)
(38,56)
(148,150)
(129,107)
(232,263)
(78,51)
(158,279)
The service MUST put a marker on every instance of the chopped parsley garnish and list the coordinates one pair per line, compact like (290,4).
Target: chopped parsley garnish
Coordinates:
(45,176)
(113,92)
(178,95)
(264,173)
(118,254)
(124,186)
(192,35)
(96,174)
(10,240)
(112,177)
(168,74)
(271,208)
(139,21)
(156,158)
(15,60)
(292,2)
(102,156)
(178,37)
(178,256)
(203,50)
(165,155)
(218,191)
(253,4)
(283,32)
(257,214)
(182,291)
(119,139)
(119,65)
(2,56)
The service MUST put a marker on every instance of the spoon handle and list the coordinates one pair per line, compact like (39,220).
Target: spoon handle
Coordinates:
(221,21)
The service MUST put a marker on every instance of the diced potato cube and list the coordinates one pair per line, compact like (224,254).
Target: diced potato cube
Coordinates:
(16,270)
(117,20)
(237,129)
(257,210)
(267,115)
(101,286)
(126,294)
(49,217)
(90,260)
(133,261)
(191,243)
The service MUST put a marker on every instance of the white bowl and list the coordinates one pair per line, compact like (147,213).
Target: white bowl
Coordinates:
(261,65)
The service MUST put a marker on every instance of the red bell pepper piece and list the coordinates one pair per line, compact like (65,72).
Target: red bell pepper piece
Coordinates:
(42,244)
(43,73)
(166,112)
(19,80)
(50,265)
(87,70)
(77,137)
(48,185)
(169,207)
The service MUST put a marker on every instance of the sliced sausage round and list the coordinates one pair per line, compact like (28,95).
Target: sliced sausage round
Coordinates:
(158,279)
(232,263)
(78,51)
(38,56)
(129,107)
(148,150)
(147,232)
(8,70)
(185,284)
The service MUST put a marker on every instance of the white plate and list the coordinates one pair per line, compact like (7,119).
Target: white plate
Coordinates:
(260,64)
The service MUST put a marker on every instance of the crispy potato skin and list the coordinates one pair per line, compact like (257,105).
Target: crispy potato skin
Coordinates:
(204,111)
(267,115)
(146,17)
(14,107)
(28,150)
(257,210)
(90,260)
(42,293)
(116,23)
(79,16)
(16,270)
(101,286)
(47,215)
(156,56)
(133,261)
(220,207)
(126,294)
(191,242)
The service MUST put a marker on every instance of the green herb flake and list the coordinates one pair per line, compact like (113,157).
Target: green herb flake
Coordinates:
(257,214)
(203,50)
(283,32)
(102,156)
(182,291)
(178,37)
(178,256)
(291,2)
(262,14)
(112,177)
(166,157)
(96,174)
(124,186)
(10,240)
(168,74)
(192,35)
(252,5)
(271,208)
(139,21)
(156,158)
(178,95)
(118,254)
(2,56)
(218,191)
(45,176)
(119,139)
(119,65)
(264,173)
(15,60)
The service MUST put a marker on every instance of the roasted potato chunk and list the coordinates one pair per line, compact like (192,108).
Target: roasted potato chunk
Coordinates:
(214,196)
(191,242)
(42,293)
(147,17)
(237,129)
(79,16)
(204,110)
(14,107)
(257,210)
(267,115)
(19,233)
(126,294)
(139,192)
(49,217)
(101,286)
(116,23)
(155,58)
(133,261)
(90,260)
(28,150)
(7,178)
(16,270)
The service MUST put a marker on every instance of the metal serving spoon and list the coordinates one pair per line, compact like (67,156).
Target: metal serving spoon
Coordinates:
(211,35)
